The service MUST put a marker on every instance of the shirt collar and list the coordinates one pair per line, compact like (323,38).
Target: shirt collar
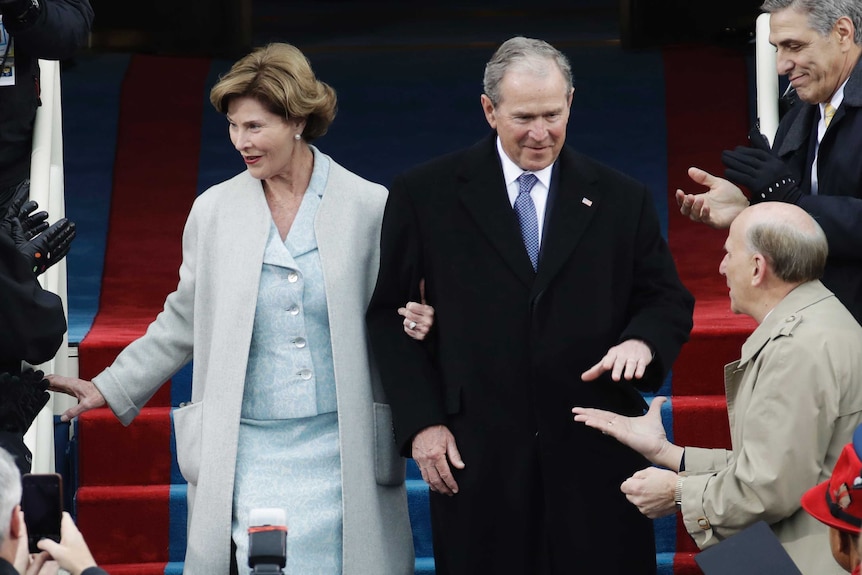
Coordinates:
(836,99)
(512,172)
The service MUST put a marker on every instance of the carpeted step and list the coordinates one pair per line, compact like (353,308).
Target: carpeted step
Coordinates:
(110,512)
(716,340)
(144,452)
(701,421)
(126,524)
(145,449)
(677,564)
(112,454)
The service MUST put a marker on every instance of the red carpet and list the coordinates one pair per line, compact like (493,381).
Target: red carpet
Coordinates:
(155,182)
(124,473)
(707,112)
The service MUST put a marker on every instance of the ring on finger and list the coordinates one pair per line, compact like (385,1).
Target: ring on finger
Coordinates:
(411,325)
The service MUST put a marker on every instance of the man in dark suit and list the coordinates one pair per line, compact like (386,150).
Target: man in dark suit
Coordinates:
(581,302)
(814,160)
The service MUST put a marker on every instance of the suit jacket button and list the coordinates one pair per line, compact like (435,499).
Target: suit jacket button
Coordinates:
(703,523)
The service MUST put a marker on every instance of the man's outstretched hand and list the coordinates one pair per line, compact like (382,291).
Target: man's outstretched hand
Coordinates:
(50,246)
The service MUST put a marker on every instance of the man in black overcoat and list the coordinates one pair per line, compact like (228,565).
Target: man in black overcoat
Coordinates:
(564,296)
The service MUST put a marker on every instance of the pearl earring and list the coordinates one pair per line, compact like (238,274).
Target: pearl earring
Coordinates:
(297,137)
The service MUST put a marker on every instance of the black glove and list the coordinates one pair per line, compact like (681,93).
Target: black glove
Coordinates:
(764,174)
(22,397)
(50,246)
(19,222)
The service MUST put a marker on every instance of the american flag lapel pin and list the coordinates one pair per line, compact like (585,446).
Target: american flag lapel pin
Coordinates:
(587,202)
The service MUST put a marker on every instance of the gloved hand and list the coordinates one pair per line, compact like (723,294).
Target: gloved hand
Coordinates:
(19,221)
(22,397)
(765,175)
(50,246)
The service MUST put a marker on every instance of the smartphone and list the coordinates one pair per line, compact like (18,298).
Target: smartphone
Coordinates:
(42,504)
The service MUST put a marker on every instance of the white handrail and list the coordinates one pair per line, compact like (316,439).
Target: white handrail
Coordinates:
(767,79)
(46,188)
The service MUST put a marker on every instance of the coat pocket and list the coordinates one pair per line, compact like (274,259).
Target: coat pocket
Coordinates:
(389,466)
(187,431)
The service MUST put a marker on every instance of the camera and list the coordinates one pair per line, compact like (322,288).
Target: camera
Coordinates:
(267,541)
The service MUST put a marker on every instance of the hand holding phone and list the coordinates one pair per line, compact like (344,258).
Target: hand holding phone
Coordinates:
(42,504)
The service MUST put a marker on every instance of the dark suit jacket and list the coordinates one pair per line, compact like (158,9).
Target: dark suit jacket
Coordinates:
(838,205)
(509,345)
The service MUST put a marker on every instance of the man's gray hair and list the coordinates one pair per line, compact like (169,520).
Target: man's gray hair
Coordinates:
(797,254)
(527,52)
(10,491)
(822,14)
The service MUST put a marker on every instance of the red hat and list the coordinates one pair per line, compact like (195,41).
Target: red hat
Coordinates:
(837,502)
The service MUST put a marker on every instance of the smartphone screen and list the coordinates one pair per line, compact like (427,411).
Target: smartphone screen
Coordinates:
(42,503)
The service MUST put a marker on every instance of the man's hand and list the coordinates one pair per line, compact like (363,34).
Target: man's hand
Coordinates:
(50,246)
(71,553)
(433,450)
(19,222)
(717,207)
(24,562)
(645,434)
(25,225)
(757,168)
(628,359)
(651,491)
(32,224)
(42,564)
(87,394)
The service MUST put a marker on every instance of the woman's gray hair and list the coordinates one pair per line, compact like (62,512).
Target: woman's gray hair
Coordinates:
(797,254)
(529,53)
(822,14)
(10,491)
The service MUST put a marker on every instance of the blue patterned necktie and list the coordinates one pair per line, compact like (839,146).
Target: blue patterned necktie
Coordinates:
(525,209)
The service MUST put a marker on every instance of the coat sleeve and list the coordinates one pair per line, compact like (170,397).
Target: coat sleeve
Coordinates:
(149,361)
(62,28)
(838,208)
(409,379)
(32,320)
(840,216)
(768,472)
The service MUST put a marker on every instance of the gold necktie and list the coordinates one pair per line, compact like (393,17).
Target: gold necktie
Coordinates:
(828,112)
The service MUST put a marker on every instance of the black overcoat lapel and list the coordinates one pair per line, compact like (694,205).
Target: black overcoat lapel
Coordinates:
(483,194)
(573,200)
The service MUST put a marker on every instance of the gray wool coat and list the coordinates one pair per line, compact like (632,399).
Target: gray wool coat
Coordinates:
(209,319)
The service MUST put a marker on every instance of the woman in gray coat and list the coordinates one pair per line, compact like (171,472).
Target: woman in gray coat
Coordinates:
(279,263)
